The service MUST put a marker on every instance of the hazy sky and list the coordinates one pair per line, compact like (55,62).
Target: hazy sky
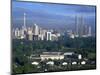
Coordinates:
(51,15)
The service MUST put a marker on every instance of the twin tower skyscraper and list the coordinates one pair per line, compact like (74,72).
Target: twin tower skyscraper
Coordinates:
(37,33)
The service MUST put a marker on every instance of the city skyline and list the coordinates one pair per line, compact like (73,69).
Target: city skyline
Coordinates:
(56,16)
(48,37)
(37,33)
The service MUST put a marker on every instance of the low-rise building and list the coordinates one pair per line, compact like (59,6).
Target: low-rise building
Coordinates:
(52,56)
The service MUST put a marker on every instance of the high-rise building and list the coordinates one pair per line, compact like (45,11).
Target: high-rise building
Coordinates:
(13,33)
(49,35)
(30,34)
(36,29)
(76,27)
(22,32)
(35,32)
(54,37)
(40,37)
(24,26)
(79,26)
(17,33)
(89,33)
(85,30)
(24,29)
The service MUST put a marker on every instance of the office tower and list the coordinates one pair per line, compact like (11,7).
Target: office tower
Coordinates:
(70,34)
(13,33)
(24,21)
(24,29)
(35,32)
(30,37)
(76,27)
(44,32)
(36,29)
(89,31)
(24,24)
(40,37)
(79,26)
(41,34)
(85,30)
(49,35)
(17,33)
(54,37)
(58,34)
(30,34)
(22,34)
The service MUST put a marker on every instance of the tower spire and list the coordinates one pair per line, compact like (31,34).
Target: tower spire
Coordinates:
(25,20)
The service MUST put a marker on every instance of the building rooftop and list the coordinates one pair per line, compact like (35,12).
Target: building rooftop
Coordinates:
(68,53)
(52,53)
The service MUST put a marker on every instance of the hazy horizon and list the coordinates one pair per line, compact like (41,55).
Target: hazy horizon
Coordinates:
(58,16)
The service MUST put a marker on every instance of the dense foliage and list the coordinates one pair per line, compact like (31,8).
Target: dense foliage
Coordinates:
(22,49)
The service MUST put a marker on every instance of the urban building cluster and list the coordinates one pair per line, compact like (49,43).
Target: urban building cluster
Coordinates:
(37,33)
(34,33)
(81,29)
